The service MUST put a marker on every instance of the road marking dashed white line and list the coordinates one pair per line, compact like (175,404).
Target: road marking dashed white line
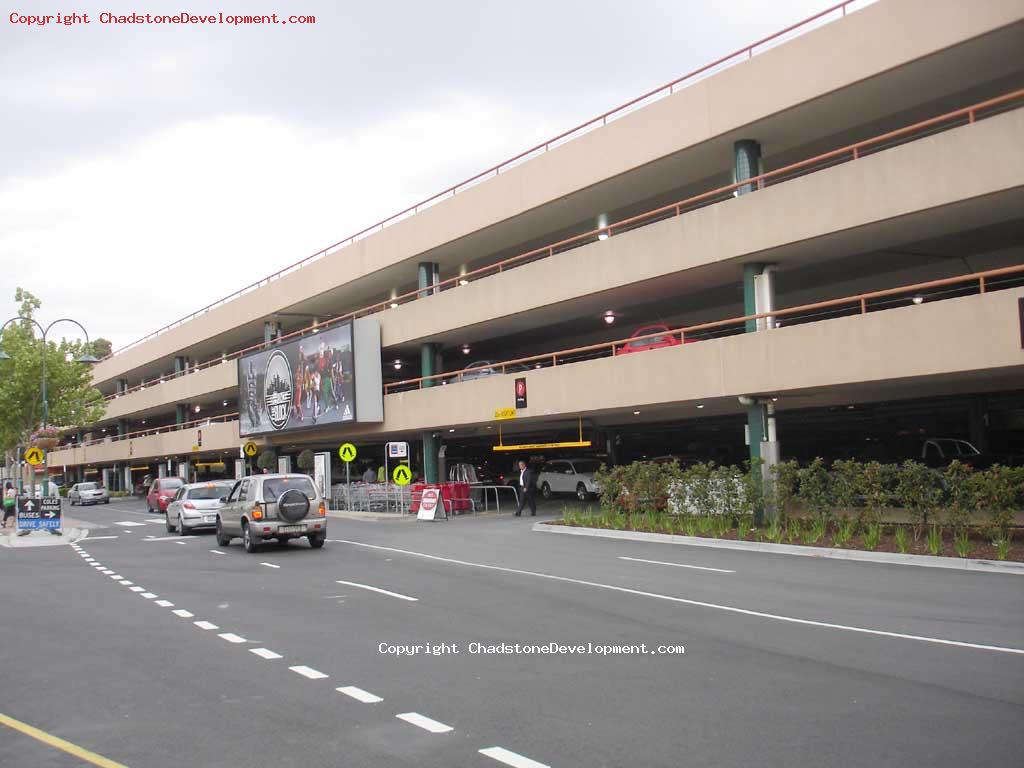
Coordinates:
(675,565)
(217,552)
(359,694)
(165,603)
(106,571)
(309,672)
(137,589)
(128,524)
(270,565)
(265,653)
(156,522)
(378,589)
(183,613)
(414,718)
(178,539)
(503,755)
(698,603)
(148,595)
(100,538)
(205,625)
(231,637)
(116,576)
(125,582)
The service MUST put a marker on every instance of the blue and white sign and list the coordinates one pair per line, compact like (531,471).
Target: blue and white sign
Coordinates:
(39,514)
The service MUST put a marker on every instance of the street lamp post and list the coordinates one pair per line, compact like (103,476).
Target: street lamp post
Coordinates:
(87,357)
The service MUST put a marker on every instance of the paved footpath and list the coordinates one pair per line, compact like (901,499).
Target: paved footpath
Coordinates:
(152,649)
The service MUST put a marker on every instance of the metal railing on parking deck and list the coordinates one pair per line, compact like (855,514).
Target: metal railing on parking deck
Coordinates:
(743,54)
(222,418)
(965,116)
(932,290)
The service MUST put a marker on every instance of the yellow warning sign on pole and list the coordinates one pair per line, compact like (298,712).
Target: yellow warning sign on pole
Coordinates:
(35,456)
(347,452)
(250,449)
(402,475)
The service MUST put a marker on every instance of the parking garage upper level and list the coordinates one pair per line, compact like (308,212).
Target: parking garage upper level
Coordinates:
(873,69)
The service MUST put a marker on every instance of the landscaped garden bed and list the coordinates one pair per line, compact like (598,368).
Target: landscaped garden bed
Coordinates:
(906,508)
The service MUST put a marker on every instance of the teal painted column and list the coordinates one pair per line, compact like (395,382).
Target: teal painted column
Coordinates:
(180,413)
(427,277)
(750,271)
(746,164)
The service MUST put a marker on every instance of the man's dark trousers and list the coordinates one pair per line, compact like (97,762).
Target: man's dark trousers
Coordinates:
(527,498)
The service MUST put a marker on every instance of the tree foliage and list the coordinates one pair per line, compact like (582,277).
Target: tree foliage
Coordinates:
(72,399)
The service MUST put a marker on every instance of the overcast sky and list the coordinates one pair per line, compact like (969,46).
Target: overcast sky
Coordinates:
(146,171)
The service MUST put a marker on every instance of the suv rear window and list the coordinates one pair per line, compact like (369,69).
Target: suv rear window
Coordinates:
(274,487)
(209,492)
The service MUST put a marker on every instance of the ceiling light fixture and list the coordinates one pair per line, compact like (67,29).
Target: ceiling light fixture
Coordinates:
(393,304)
(451,430)
(918,299)
(609,317)
(465,349)
(700,405)
(224,403)
(463,281)
(636,413)
(398,365)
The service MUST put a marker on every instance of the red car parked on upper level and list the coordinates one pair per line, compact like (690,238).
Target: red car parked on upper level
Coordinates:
(668,339)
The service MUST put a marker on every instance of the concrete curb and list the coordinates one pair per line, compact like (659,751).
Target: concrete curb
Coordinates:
(888,558)
(376,517)
(42,539)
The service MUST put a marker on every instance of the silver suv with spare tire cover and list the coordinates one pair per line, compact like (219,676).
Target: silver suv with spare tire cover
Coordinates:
(281,507)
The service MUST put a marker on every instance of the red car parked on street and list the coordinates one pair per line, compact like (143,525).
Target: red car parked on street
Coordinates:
(668,339)
(162,492)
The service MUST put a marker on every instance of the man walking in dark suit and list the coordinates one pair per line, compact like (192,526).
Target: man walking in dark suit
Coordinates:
(527,477)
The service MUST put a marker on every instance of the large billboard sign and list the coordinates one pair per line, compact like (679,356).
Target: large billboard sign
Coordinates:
(308,382)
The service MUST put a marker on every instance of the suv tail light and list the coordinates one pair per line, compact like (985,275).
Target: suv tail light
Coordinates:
(257,512)
(323,509)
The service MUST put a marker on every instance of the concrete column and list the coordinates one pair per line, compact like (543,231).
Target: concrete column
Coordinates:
(181,413)
(978,422)
(750,273)
(122,427)
(428,276)
(180,364)
(431,444)
(121,386)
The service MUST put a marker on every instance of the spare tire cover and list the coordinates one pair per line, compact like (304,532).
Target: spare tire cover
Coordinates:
(293,505)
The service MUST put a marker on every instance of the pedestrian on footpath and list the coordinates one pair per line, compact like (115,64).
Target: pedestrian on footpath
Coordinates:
(9,501)
(369,475)
(527,477)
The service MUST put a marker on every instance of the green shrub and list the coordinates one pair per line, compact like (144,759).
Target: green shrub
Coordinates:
(919,492)
(960,494)
(877,482)
(962,543)
(785,481)
(935,540)
(1002,546)
(843,533)
(872,535)
(306,461)
(900,538)
(995,492)
(847,484)
(816,489)
(267,460)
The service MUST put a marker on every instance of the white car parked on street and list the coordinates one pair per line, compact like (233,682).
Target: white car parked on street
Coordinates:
(195,506)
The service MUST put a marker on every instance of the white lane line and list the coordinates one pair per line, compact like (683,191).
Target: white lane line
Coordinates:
(270,565)
(89,559)
(106,571)
(205,625)
(265,653)
(165,603)
(217,552)
(182,613)
(100,538)
(126,583)
(699,603)
(116,576)
(676,565)
(359,694)
(128,524)
(231,637)
(148,595)
(309,672)
(156,522)
(166,538)
(503,755)
(377,589)
(424,722)
(137,589)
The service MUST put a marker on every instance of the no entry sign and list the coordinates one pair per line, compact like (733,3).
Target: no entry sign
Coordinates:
(428,504)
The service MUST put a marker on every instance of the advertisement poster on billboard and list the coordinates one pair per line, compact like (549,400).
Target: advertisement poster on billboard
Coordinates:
(304,383)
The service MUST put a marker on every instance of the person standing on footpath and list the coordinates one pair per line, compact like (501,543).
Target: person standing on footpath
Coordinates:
(527,478)
(9,502)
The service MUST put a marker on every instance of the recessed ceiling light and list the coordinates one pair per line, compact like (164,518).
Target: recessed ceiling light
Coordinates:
(197,409)
(700,405)
(225,403)
(393,304)
(609,317)
(398,365)
(602,235)
(463,281)
(919,299)
(465,349)
(636,413)
(451,430)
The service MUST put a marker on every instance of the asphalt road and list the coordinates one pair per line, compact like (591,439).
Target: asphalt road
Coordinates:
(788,661)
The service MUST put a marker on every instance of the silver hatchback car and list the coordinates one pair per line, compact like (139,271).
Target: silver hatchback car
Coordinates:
(281,507)
(88,493)
(195,507)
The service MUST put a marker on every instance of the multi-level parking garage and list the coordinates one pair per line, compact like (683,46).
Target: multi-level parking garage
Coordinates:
(829,223)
